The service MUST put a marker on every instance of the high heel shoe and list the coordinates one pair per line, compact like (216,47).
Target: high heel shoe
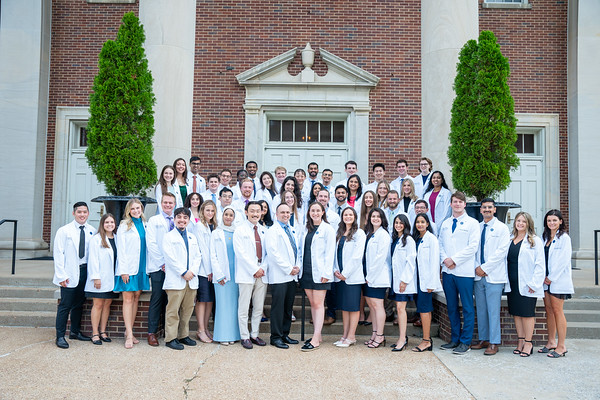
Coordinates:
(417,349)
(368,342)
(393,346)
(517,351)
(527,354)
(396,348)
(203,337)
(375,344)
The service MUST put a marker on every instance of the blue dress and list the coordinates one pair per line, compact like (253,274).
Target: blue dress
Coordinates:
(140,281)
(226,301)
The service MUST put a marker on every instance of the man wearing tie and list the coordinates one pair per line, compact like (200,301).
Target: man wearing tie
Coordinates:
(459,241)
(195,181)
(250,272)
(158,226)
(281,242)
(70,273)
(182,263)
(313,173)
(212,193)
(239,205)
(490,277)
(341,196)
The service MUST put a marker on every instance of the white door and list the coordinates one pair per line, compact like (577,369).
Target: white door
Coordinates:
(527,186)
(293,158)
(82,183)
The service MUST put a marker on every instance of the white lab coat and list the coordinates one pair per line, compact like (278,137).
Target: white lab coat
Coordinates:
(200,183)
(420,188)
(333,219)
(396,184)
(413,216)
(66,253)
(203,235)
(176,260)
(352,255)
(497,242)
(428,266)
(246,262)
(322,251)
(404,266)
(559,265)
(390,215)
(379,260)
(281,254)
(207,195)
(532,268)
(157,228)
(128,250)
(411,207)
(101,265)
(461,246)
(442,205)
(219,259)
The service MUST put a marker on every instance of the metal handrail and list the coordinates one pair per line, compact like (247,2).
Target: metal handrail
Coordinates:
(14,249)
(596,231)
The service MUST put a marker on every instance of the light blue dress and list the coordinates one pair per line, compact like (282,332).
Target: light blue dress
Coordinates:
(140,281)
(226,301)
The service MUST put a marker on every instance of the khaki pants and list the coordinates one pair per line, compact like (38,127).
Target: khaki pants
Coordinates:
(257,292)
(178,313)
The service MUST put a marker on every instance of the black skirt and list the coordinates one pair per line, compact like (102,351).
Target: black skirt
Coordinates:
(206,290)
(102,295)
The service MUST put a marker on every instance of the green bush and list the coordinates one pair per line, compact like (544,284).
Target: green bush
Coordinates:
(121,125)
(482,128)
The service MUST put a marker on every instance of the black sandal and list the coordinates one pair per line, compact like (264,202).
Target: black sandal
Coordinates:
(556,354)
(105,338)
(524,354)
(417,349)
(368,342)
(375,344)
(98,342)
(517,351)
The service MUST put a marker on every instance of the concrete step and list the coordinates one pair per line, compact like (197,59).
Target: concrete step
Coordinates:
(37,319)
(582,315)
(583,330)
(587,292)
(44,292)
(27,304)
(582,304)
(20,281)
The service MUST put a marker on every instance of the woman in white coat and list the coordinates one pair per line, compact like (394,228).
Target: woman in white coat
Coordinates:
(428,276)
(526,278)
(164,185)
(101,276)
(318,253)
(206,291)
(558,284)
(348,273)
(222,257)
(181,182)
(438,196)
(377,270)
(130,273)
(267,189)
(404,273)
(408,197)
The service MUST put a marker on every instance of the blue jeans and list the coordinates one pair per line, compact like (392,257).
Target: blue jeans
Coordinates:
(453,287)
(488,297)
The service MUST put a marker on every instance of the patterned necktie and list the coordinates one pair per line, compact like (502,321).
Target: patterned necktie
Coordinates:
(286,228)
(483,242)
(258,244)
(81,241)
(171,224)
(454,221)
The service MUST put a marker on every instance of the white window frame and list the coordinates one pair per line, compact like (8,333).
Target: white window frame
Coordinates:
(505,4)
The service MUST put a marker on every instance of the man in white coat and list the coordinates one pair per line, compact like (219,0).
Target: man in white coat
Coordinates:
(182,264)
(196,183)
(239,205)
(378,176)
(402,170)
(281,243)
(212,190)
(459,241)
(158,226)
(70,272)
(250,273)
(490,277)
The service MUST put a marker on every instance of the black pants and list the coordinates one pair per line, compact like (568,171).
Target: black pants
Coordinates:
(158,301)
(282,303)
(71,302)
(331,302)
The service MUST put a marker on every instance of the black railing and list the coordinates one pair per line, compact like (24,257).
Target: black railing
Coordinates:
(596,231)
(14,246)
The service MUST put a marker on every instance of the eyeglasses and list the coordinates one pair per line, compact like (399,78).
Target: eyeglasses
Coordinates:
(195,163)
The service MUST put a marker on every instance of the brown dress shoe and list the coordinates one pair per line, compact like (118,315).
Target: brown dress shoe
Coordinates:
(480,345)
(491,350)
(328,321)
(152,340)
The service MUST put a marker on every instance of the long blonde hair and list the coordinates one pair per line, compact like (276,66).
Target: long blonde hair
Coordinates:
(382,201)
(127,217)
(530,232)
(412,195)
(203,220)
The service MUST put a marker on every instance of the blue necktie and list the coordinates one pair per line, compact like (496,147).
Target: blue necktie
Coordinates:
(483,242)
(171,224)
(454,221)
(214,198)
(286,228)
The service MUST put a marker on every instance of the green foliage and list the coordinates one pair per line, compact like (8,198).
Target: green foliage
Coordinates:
(121,125)
(482,128)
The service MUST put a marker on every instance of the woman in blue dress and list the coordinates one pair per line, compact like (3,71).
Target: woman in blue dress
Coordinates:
(130,273)
(226,329)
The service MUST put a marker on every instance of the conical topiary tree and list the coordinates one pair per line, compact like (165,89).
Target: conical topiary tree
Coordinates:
(121,125)
(482,128)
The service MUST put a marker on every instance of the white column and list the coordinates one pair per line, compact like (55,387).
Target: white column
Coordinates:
(584,120)
(446,25)
(170,39)
(24,74)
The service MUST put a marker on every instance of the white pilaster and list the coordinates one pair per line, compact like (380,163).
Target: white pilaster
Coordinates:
(446,25)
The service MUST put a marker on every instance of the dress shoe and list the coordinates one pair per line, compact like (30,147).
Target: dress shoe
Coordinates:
(480,345)
(328,321)
(98,341)
(187,341)
(414,318)
(491,350)
(289,340)
(61,342)
(152,340)
(80,336)
(258,341)
(418,323)
(279,344)
(105,338)
(174,344)
(246,343)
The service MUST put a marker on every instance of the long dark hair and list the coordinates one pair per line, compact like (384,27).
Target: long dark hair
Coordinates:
(360,187)
(405,232)
(271,190)
(101,230)
(561,229)
(184,175)
(188,200)
(312,197)
(310,226)
(342,226)
(297,192)
(164,185)
(430,186)
(265,220)
(369,226)
(415,233)
(364,212)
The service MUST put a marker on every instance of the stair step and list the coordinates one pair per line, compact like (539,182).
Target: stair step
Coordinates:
(583,330)
(582,304)
(20,281)
(582,315)
(587,292)
(44,292)
(37,319)
(27,304)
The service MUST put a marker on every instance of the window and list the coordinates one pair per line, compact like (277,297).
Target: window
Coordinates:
(506,4)
(306,131)
(525,143)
